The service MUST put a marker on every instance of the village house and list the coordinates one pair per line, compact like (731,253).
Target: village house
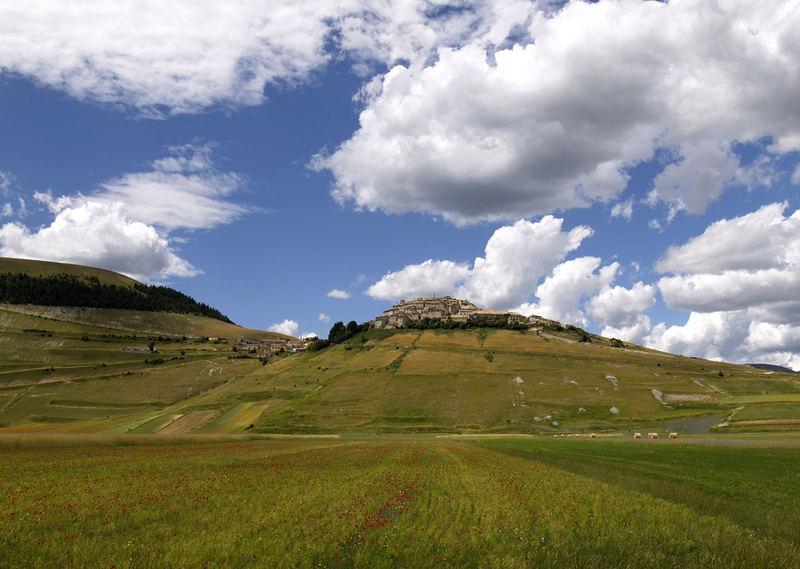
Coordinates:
(270,347)
(442,308)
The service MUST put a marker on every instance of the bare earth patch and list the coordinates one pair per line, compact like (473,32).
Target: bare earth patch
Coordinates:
(186,423)
(681,397)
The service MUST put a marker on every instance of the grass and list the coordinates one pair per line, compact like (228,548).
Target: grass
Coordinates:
(757,488)
(770,411)
(141,322)
(337,504)
(49,268)
(379,381)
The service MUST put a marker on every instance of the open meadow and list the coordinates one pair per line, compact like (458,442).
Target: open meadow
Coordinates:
(401,502)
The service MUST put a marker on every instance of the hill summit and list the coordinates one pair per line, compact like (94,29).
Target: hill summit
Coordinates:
(44,283)
(411,313)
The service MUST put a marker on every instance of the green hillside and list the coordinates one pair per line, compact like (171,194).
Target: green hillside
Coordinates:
(79,377)
(56,284)
(116,370)
(83,369)
(506,381)
(34,268)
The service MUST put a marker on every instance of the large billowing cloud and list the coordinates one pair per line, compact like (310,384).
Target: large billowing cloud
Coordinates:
(739,279)
(562,293)
(125,225)
(491,110)
(186,55)
(287,327)
(97,234)
(485,133)
(748,261)
(516,257)
(737,336)
(621,311)
(178,56)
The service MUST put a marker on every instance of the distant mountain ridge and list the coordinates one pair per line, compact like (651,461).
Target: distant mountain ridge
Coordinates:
(772,367)
(56,284)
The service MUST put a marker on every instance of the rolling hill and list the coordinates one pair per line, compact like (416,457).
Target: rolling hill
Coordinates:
(57,284)
(77,377)
(79,369)
(76,367)
(35,268)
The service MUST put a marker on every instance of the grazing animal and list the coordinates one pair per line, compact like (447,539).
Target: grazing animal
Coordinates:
(652,435)
(555,436)
(673,435)
(637,435)
(592,436)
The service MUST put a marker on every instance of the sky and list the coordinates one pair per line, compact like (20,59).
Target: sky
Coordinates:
(631,167)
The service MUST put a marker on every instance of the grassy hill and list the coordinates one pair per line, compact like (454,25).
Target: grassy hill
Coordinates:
(48,268)
(506,381)
(85,369)
(58,284)
(80,377)
(82,368)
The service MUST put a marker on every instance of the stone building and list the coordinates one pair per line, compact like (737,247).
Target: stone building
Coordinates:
(443,308)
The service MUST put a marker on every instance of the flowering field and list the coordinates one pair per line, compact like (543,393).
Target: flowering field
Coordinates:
(338,504)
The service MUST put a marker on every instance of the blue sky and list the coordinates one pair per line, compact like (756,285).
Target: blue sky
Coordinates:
(631,167)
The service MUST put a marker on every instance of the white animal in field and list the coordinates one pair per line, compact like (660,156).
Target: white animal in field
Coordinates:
(673,435)
(637,435)
(652,435)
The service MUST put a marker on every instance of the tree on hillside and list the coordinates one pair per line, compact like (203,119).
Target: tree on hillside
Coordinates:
(338,333)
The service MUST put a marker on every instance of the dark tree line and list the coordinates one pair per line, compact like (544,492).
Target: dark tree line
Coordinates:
(69,290)
(339,333)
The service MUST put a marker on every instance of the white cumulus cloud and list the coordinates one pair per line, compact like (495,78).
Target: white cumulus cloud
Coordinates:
(125,224)
(287,327)
(739,280)
(323,317)
(619,306)
(623,209)
(337,293)
(178,56)
(515,258)
(736,263)
(486,133)
(187,55)
(562,293)
(97,234)
(620,311)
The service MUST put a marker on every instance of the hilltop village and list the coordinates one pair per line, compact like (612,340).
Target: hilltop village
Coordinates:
(268,347)
(446,308)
